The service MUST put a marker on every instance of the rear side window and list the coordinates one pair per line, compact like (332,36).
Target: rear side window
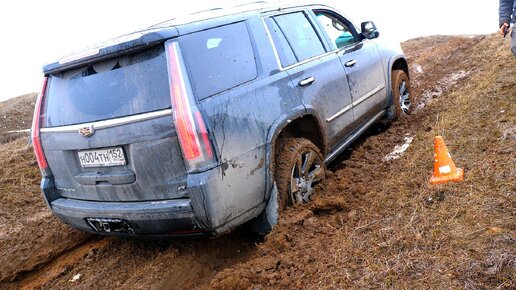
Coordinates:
(114,88)
(300,35)
(219,58)
(285,53)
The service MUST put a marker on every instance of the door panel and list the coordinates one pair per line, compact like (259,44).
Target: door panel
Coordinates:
(328,94)
(366,79)
(318,77)
(361,61)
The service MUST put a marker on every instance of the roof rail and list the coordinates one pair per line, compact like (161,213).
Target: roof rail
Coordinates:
(207,10)
(162,22)
(251,3)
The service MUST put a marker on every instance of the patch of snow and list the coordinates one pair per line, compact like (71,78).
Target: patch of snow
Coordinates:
(509,134)
(442,85)
(75,278)
(417,68)
(399,149)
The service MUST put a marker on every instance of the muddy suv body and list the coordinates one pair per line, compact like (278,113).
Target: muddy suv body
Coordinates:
(183,128)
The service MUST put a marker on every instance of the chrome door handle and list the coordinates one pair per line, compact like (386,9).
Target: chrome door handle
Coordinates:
(306,82)
(351,63)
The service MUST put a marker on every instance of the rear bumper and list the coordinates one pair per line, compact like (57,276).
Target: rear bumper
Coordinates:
(158,218)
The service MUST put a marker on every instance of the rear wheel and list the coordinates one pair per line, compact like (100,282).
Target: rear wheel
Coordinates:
(401,90)
(299,168)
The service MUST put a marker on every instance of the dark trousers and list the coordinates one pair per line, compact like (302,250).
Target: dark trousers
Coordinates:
(513,41)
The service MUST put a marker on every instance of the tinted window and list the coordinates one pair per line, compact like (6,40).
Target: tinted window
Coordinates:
(219,58)
(120,87)
(300,35)
(339,32)
(285,53)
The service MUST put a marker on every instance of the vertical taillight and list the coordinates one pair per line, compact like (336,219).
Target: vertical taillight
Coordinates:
(36,126)
(191,129)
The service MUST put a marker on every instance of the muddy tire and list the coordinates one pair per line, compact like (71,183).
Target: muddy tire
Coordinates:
(402,94)
(299,168)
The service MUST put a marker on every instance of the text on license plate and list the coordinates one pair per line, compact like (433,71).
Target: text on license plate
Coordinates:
(102,157)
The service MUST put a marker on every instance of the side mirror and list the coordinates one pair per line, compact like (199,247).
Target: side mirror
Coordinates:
(369,30)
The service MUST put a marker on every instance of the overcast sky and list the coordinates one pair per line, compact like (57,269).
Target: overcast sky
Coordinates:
(37,32)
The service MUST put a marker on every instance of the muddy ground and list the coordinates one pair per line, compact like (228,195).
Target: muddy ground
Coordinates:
(375,223)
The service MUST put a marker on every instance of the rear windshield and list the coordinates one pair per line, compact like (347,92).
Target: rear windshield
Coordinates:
(128,85)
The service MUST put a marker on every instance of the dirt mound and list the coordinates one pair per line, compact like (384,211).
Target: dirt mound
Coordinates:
(30,235)
(376,222)
(16,114)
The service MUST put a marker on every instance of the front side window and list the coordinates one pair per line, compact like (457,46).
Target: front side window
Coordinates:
(340,33)
(300,35)
(219,59)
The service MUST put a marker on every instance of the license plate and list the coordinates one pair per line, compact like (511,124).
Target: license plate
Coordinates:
(102,157)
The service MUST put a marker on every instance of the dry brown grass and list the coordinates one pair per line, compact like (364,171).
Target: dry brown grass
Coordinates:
(19,178)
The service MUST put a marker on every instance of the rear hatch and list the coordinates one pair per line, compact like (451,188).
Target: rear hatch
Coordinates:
(108,133)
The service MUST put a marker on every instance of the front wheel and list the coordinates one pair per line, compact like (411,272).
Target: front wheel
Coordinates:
(401,93)
(299,168)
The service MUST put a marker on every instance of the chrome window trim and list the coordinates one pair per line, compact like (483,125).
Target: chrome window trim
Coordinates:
(307,60)
(274,48)
(335,51)
(276,54)
(98,125)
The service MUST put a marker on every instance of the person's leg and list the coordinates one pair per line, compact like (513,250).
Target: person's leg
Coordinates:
(513,41)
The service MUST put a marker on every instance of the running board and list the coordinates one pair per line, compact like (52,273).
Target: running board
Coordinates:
(339,149)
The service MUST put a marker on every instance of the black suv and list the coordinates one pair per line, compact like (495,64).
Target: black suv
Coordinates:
(197,125)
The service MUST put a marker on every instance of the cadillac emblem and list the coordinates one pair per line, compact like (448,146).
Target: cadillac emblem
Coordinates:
(87,131)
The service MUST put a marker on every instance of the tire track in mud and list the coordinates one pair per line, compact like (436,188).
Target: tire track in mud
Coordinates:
(51,270)
(105,262)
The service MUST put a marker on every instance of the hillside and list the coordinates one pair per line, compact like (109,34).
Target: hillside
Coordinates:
(375,223)
(15,115)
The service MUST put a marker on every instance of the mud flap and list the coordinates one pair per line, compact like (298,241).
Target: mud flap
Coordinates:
(265,222)
(391,113)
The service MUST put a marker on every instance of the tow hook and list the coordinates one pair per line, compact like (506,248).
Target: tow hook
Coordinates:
(108,225)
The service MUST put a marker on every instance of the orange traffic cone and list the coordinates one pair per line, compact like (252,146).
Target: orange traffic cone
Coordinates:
(444,168)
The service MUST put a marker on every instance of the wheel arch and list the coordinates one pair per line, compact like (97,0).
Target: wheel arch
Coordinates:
(400,64)
(301,122)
